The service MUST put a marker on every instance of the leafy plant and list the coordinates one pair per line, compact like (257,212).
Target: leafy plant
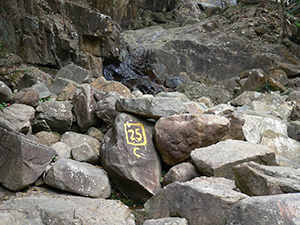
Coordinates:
(44,99)
(3,105)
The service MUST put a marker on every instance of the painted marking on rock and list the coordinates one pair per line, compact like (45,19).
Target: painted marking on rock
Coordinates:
(135,135)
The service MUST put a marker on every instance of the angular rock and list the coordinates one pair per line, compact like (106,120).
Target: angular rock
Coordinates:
(129,156)
(282,161)
(151,107)
(282,145)
(180,96)
(236,127)
(80,178)
(194,201)
(5,93)
(84,153)
(182,172)
(63,150)
(193,108)
(255,126)
(176,136)
(216,180)
(266,210)
(27,96)
(47,138)
(75,73)
(167,220)
(291,70)
(256,79)
(84,102)
(54,115)
(219,159)
(74,140)
(255,179)
(22,160)
(105,108)
(247,97)
(95,133)
(67,93)
(61,209)
(59,84)
(19,117)
(42,89)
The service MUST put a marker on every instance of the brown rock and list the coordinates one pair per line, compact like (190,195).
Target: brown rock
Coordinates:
(47,138)
(27,96)
(256,79)
(176,136)
(67,93)
(291,70)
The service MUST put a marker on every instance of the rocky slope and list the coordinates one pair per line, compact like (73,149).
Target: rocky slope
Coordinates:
(193,119)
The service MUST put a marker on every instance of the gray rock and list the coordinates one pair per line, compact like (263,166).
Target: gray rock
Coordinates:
(74,140)
(84,104)
(167,221)
(75,73)
(151,107)
(95,133)
(194,201)
(47,138)
(216,180)
(5,93)
(59,84)
(22,160)
(129,156)
(80,178)
(57,115)
(84,153)
(176,136)
(40,210)
(105,108)
(182,172)
(282,161)
(63,150)
(42,89)
(180,96)
(19,117)
(219,159)
(266,210)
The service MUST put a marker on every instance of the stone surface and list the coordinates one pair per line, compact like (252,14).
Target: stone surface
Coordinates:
(5,93)
(180,96)
(67,93)
(42,89)
(27,96)
(151,107)
(80,178)
(266,210)
(291,70)
(282,145)
(75,73)
(95,133)
(19,117)
(105,108)
(84,103)
(54,115)
(167,220)
(105,86)
(194,201)
(129,156)
(182,172)
(63,150)
(47,138)
(255,179)
(176,136)
(219,159)
(256,79)
(61,209)
(22,160)
(84,153)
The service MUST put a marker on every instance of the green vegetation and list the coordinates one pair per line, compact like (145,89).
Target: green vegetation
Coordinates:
(3,105)
(122,198)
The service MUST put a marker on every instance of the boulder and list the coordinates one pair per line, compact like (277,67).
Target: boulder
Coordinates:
(266,210)
(291,70)
(5,93)
(80,178)
(194,108)
(75,73)
(167,220)
(63,150)
(27,96)
(84,153)
(255,179)
(67,93)
(19,117)
(194,201)
(61,209)
(84,102)
(282,145)
(42,89)
(256,80)
(151,107)
(180,96)
(105,108)
(53,115)
(102,85)
(182,172)
(219,159)
(95,133)
(47,138)
(176,136)
(129,156)
(22,160)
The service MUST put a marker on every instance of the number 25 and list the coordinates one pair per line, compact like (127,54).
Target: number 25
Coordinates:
(135,134)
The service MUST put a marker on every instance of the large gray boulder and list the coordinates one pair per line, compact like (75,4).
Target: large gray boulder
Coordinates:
(22,160)
(219,159)
(256,179)
(266,210)
(151,107)
(40,210)
(129,156)
(80,178)
(200,203)
(176,136)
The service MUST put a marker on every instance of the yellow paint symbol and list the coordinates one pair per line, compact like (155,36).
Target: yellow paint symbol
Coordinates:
(134,152)
(135,134)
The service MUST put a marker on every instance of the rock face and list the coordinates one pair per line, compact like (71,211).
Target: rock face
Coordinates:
(194,201)
(5,93)
(219,159)
(79,178)
(22,160)
(255,179)
(151,107)
(129,156)
(266,210)
(176,136)
(46,209)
